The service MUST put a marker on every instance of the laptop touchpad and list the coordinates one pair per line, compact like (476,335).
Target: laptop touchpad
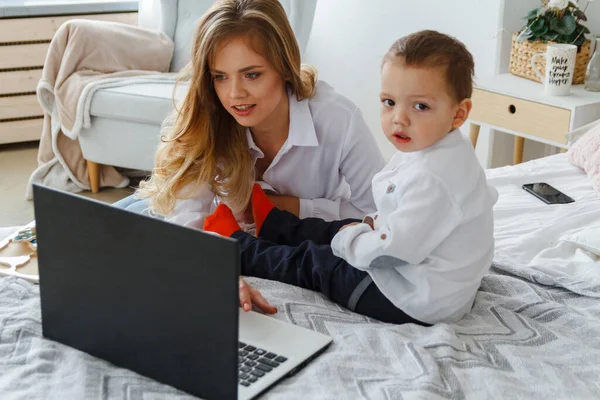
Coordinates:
(255,326)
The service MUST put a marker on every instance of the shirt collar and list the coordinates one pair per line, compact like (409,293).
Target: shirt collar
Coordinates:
(302,128)
(452,137)
(254,150)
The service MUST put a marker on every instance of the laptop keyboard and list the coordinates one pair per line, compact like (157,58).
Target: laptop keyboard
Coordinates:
(254,363)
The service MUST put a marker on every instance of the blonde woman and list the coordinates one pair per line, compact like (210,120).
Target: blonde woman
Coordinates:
(254,113)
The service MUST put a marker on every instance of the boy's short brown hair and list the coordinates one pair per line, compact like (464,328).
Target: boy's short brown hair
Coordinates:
(434,49)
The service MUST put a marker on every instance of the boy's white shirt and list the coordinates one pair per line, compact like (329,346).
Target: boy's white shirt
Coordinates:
(432,240)
(328,161)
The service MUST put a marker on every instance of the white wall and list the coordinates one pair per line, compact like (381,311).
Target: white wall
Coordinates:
(350,37)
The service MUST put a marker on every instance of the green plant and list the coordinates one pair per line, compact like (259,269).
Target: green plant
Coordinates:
(556,21)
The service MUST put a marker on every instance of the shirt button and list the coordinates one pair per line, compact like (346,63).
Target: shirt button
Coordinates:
(375,218)
(383,236)
(390,188)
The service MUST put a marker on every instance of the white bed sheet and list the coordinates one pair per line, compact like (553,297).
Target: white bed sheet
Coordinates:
(538,237)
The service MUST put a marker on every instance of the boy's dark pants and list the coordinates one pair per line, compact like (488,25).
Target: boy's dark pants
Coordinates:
(298,252)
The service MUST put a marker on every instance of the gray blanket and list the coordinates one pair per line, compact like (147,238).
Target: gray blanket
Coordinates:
(523,340)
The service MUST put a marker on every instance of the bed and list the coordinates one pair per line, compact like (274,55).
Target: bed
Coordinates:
(534,331)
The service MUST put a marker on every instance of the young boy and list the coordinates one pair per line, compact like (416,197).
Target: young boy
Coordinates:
(421,257)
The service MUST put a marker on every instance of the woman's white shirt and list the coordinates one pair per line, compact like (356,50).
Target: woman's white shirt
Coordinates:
(328,161)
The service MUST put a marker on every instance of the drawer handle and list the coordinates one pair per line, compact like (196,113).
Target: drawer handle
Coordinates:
(512,109)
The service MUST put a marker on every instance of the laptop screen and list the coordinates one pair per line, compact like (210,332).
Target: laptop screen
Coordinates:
(144,294)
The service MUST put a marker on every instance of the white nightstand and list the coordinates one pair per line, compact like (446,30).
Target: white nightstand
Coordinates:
(518,106)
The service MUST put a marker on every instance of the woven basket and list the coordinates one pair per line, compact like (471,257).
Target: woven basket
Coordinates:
(521,53)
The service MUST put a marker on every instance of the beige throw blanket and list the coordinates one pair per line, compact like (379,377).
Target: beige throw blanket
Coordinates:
(83,57)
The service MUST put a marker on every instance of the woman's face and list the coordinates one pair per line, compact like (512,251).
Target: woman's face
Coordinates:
(246,83)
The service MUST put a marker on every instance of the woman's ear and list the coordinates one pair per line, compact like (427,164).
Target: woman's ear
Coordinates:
(462,113)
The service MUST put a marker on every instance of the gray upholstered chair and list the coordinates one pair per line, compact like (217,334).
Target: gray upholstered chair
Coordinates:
(126,120)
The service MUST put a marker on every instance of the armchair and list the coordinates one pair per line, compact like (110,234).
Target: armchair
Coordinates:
(126,120)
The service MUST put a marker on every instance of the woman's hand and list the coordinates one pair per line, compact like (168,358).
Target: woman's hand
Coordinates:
(249,296)
(286,203)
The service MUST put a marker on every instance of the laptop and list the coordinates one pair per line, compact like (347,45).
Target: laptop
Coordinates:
(159,299)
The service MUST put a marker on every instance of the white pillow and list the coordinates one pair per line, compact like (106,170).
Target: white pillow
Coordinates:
(574,135)
(587,239)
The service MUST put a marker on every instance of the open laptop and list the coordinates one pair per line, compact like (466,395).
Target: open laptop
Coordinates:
(159,299)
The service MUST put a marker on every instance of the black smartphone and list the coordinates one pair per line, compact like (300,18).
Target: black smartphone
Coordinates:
(547,193)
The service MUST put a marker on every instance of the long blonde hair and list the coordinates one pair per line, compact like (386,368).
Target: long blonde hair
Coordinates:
(201,142)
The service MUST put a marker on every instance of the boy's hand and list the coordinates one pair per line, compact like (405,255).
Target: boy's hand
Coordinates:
(249,296)
(351,224)
(368,220)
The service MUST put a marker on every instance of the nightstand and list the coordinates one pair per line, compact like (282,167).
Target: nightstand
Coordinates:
(519,107)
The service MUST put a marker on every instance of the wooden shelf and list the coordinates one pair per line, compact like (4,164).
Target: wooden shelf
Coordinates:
(21,131)
(24,43)
(19,107)
(44,28)
(19,81)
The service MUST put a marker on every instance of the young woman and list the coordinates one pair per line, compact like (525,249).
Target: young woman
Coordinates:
(254,113)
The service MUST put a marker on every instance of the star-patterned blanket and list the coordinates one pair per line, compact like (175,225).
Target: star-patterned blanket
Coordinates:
(522,340)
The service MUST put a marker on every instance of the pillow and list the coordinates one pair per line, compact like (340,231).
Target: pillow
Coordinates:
(585,154)
(587,239)
(575,135)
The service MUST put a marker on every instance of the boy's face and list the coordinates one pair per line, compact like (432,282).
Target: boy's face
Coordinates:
(417,109)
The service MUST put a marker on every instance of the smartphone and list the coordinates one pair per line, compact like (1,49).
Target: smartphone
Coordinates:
(547,193)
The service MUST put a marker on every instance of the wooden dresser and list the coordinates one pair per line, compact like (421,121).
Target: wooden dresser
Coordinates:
(24,42)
